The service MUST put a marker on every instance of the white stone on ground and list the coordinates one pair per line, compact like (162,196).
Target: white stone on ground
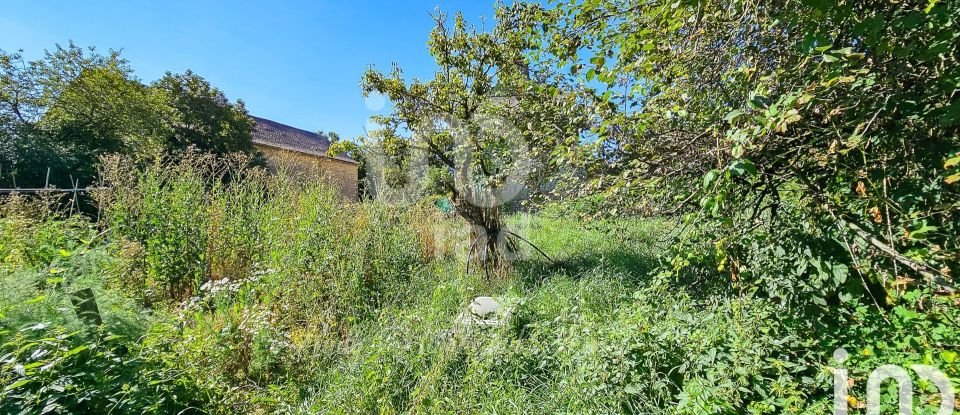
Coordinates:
(483,312)
(484,307)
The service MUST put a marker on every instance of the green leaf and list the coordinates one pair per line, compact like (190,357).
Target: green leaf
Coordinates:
(840,274)
(759,102)
(36,299)
(743,166)
(75,350)
(710,177)
(950,163)
(598,60)
(732,115)
(16,384)
(922,232)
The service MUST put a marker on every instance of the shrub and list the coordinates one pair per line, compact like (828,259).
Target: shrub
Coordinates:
(51,361)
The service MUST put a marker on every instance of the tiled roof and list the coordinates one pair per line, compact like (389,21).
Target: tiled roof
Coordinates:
(273,134)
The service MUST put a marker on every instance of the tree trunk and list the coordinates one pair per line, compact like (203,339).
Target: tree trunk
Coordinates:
(491,248)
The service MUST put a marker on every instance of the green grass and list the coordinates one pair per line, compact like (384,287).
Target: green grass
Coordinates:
(268,296)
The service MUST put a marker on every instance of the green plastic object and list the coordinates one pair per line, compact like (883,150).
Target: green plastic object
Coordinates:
(444,205)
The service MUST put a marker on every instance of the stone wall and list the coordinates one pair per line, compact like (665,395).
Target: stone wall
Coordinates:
(342,174)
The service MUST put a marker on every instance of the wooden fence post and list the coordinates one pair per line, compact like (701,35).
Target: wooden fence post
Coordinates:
(85,305)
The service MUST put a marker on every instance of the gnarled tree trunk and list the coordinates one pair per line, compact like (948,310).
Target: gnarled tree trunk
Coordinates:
(491,244)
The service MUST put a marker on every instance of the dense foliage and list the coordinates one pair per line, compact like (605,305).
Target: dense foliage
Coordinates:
(59,114)
(813,143)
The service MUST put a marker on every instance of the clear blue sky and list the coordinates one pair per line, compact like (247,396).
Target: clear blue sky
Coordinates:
(295,62)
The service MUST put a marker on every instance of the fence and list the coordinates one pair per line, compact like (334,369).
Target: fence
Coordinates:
(79,197)
(47,190)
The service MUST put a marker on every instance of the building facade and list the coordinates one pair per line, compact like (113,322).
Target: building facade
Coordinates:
(304,152)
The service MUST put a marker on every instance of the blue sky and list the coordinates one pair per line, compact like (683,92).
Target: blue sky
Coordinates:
(295,62)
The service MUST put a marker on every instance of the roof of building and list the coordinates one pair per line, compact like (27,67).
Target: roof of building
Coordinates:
(273,134)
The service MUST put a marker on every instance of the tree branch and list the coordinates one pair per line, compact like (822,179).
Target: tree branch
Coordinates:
(923,270)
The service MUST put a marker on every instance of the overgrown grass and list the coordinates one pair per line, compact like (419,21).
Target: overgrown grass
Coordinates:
(224,290)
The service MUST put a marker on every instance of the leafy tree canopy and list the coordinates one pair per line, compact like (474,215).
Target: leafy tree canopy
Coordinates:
(60,113)
(200,115)
(471,125)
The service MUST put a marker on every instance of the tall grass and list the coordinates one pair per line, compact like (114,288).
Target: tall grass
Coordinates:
(269,273)
(239,280)
(224,289)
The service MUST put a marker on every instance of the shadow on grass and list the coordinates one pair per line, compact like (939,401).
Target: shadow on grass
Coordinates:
(632,267)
